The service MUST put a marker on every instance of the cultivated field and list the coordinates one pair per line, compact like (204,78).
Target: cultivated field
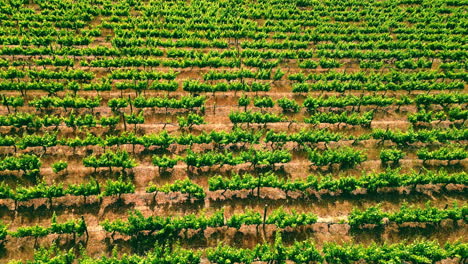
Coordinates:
(270,131)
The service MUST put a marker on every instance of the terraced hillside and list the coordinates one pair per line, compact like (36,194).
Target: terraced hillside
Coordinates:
(233,131)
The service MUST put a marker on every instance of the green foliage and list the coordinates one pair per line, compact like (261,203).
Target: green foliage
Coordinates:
(421,135)
(3,231)
(40,190)
(13,101)
(255,117)
(299,252)
(354,119)
(372,215)
(370,181)
(116,103)
(255,157)
(288,105)
(135,118)
(245,181)
(59,166)
(450,152)
(191,120)
(416,252)
(308,64)
(329,63)
(84,189)
(171,226)
(182,186)
(55,59)
(44,141)
(118,187)
(119,159)
(134,74)
(312,103)
(69,227)
(375,216)
(163,226)
(29,164)
(282,219)
(50,255)
(199,87)
(248,218)
(69,101)
(394,155)
(263,102)
(244,101)
(345,156)
(158,255)
(165,161)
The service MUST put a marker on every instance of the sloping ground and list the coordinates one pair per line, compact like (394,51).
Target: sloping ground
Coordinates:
(341,90)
